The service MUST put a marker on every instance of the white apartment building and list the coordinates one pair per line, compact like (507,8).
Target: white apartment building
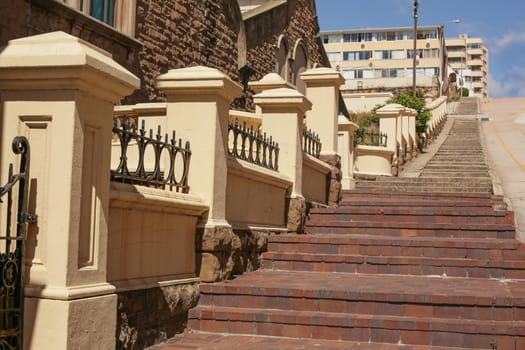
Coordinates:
(469,58)
(382,59)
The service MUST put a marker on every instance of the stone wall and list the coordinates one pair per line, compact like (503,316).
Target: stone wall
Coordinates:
(150,316)
(296,19)
(169,34)
(179,33)
(182,33)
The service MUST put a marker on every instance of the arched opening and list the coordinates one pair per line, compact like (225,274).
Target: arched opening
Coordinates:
(300,65)
(282,66)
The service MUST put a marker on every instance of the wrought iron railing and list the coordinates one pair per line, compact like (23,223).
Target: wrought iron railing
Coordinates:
(370,138)
(11,250)
(161,152)
(311,143)
(252,146)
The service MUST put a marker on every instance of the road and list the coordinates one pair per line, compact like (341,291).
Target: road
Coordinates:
(504,134)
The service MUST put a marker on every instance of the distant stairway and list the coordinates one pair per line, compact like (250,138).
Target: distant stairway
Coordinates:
(459,166)
(425,263)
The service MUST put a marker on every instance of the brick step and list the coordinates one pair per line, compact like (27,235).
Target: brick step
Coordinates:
(485,249)
(444,173)
(222,341)
(421,203)
(411,229)
(477,197)
(392,295)
(419,180)
(450,189)
(422,331)
(421,215)
(395,265)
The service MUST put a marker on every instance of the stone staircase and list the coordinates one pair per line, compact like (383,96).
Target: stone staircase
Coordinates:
(440,270)
(459,166)
(415,263)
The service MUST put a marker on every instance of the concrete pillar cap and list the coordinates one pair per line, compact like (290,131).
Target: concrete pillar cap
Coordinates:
(270,81)
(346,125)
(198,79)
(283,97)
(322,77)
(58,60)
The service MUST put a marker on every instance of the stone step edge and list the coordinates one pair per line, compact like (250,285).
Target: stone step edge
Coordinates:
(346,320)
(412,225)
(404,260)
(417,242)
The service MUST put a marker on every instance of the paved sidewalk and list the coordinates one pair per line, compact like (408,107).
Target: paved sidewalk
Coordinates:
(505,142)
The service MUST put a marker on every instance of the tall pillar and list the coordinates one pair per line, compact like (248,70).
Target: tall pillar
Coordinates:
(197,109)
(322,89)
(268,82)
(388,124)
(283,110)
(59,92)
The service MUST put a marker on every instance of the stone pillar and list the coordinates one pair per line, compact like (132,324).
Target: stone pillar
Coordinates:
(268,82)
(197,109)
(59,92)
(345,148)
(405,134)
(283,110)
(388,124)
(322,89)
(411,116)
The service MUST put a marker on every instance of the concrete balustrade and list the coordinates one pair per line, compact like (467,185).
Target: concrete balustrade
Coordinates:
(59,92)
(322,89)
(345,148)
(282,117)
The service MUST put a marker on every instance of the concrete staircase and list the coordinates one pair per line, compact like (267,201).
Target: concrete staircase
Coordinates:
(415,263)
(439,270)
(459,166)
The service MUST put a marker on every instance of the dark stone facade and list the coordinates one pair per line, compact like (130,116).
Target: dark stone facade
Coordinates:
(179,33)
(150,316)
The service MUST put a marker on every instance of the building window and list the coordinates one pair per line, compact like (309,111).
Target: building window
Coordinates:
(103,10)
(474,46)
(427,34)
(380,36)
(331,39)
(334,56)
(358,74)
(119,14)
(424,53)
(356,55)
(392,73)
(389,54)
(357,37)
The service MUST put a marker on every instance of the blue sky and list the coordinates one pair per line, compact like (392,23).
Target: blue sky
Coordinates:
(501,24)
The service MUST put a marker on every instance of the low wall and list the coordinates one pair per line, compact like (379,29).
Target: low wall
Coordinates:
(373,160)
(315,174)
(151,262)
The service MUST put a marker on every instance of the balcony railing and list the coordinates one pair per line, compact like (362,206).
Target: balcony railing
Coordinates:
(311,143)
(252,146)
(163,153)
(370,138)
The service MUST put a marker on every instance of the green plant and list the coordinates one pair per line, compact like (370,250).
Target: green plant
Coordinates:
(418,103)
(464,92)
(452,77)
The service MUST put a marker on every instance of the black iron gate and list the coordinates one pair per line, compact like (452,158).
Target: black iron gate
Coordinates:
(12,236)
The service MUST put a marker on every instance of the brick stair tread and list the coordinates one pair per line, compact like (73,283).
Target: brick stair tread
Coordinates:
(219,341)
(348,320)
(463,263)
(462,196)
(371,287)
(344,239)
(412,225)
(410,203)
(400,210)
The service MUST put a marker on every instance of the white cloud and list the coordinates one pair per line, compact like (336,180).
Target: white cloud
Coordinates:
(514,86)
(509,39)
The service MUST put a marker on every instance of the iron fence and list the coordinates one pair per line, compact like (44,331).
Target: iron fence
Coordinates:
(252,146)
(370,138)
(12,248)
(311,143)
(161,152)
